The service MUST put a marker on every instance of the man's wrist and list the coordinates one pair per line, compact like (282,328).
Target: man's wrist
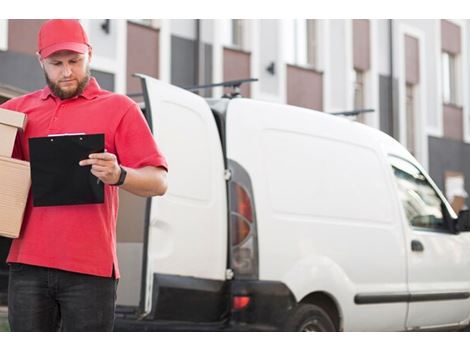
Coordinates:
(122,177)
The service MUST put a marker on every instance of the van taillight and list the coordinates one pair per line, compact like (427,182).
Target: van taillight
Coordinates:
(243,203)
(240,302)
(242,218)
(243,229)
(240,229)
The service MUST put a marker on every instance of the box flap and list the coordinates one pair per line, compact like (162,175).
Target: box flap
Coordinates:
(20,163)
(12,118)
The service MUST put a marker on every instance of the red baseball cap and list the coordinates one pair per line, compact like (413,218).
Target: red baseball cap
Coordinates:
(56,35)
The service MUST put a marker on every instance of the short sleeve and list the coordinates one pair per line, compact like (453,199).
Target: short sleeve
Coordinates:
(134,142)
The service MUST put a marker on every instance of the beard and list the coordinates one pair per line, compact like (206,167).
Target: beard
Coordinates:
(67,94)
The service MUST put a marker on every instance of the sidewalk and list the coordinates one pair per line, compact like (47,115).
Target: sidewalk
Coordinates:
(4,326)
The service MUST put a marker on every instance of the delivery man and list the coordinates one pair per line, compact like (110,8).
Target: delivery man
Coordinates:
(63,267)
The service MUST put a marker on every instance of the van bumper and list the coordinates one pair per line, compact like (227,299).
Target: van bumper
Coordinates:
(269,307)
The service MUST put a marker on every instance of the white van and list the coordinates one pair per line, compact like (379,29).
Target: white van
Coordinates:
(282,218)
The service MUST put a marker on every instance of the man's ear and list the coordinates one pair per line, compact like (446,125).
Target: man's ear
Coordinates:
(40,60)
(90,53)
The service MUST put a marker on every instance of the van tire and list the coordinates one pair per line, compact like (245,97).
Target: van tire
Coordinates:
(309,318)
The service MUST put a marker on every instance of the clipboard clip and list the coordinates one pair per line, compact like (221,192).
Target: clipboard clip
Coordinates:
(65,134)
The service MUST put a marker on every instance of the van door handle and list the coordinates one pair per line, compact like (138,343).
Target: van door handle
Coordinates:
(417,246)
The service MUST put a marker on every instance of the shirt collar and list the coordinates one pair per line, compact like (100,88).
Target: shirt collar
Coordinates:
(91,91)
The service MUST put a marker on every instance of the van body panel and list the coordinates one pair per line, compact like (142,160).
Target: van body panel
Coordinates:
(441,269)
(188,227)
(332,228)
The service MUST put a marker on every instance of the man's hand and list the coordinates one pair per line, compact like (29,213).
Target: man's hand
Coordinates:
(104,166)
(147,181)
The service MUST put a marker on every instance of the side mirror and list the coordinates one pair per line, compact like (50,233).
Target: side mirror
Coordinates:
(463,222)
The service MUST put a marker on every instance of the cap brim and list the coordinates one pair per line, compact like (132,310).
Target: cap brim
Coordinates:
(70,46)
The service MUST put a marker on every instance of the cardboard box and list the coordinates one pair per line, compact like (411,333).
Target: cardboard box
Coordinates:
(10,122)
(15,183)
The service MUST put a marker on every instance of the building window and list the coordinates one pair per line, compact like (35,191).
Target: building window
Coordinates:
(449,78)
(312,43)
(301,38)
(234,35)
(455,190)
(237,33)
(361,64)
(144,22)
(359,93)
(410,119)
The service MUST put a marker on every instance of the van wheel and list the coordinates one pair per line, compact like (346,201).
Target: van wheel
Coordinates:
(309,318)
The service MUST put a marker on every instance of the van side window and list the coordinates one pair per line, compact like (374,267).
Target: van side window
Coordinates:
(422,204)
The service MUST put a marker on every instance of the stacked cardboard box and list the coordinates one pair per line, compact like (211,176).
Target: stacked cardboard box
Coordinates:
(15,176)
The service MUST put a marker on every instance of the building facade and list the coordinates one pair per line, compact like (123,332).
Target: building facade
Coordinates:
(413,73)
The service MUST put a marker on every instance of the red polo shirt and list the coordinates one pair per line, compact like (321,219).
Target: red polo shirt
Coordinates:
(80,238)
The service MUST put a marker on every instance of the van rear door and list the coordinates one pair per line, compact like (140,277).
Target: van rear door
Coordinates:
(187,237)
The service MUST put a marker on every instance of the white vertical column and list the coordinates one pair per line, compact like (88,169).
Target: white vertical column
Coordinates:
(465,96)
(121,73)
(349,65)
(438,130)
(373,101)
(255,56)
(4,35)
(165,51)
(281,64)
(218,57)
(324,62)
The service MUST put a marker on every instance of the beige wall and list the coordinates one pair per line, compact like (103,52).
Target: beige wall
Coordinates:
(237,66)
(22,35)
(142,54)
(304,87)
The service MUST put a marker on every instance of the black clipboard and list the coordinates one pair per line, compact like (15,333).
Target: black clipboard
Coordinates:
(56,176)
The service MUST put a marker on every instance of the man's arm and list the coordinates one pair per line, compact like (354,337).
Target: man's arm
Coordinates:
(147,181)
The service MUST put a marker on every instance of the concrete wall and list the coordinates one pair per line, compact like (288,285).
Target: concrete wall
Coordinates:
(104,44)
(269,52)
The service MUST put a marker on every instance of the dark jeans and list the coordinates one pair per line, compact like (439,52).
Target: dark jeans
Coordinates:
(43,299)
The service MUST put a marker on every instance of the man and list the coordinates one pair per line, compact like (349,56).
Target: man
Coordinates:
(63,267)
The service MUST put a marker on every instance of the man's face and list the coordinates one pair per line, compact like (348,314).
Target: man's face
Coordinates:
(67,73)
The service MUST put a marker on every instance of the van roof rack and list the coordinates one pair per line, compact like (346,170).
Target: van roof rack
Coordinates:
(235,85)
(352,112)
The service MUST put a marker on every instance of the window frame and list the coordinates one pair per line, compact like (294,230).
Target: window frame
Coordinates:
(449,67)
(311,42)
(303,34)
(145,22)
(410,96)
(237,39)
(359,84)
